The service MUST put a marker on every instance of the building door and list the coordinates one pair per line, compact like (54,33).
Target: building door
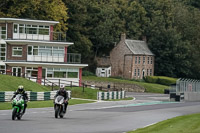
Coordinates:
(143,72)
(16,71)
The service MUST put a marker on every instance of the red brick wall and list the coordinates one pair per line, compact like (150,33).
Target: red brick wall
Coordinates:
(9,52)
(124,66)
(10,30)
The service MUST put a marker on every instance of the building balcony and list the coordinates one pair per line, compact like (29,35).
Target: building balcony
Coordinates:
(35,35)
(70,58)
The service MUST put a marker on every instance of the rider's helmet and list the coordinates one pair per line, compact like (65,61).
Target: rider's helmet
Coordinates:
(20,89)
(62,88)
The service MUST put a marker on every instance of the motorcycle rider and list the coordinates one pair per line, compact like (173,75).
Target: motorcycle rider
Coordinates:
(21,91)
(64,93)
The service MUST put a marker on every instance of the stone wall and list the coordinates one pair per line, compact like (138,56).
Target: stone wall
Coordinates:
(115,86)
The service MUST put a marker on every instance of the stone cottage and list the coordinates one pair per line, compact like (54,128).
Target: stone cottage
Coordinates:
(131,59)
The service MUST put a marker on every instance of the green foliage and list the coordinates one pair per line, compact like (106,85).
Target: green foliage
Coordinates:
(87,73)
(36,9)
(149,87)
(11,83)
(181,124)
(160,80)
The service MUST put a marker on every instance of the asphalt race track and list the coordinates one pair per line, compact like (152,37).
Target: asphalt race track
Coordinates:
(100,117)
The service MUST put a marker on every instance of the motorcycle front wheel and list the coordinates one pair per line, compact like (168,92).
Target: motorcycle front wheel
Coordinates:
(57,110)
(14,113)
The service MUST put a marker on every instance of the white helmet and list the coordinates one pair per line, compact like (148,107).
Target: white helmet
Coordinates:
(62,86)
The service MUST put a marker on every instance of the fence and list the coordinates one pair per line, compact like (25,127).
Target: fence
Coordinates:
(33,96)
(110,95)
(187,85)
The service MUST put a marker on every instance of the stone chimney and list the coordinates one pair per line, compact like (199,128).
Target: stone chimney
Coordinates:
(123,37)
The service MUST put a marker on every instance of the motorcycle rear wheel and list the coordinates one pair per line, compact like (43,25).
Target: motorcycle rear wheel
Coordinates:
(14,113)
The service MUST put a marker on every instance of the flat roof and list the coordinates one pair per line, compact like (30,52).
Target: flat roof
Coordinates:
(28,20)
(43,64)
(37,42)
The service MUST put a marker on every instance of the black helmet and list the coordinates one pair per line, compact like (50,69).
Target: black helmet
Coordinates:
(20,89)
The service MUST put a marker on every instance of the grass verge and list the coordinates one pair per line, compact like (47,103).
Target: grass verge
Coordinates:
(42,104)
(150,87)
(10,83)
(181,124)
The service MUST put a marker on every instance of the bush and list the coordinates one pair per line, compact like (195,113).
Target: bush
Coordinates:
(160,80)
(88,73)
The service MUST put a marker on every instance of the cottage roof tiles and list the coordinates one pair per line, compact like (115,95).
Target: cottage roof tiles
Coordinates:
(138,47)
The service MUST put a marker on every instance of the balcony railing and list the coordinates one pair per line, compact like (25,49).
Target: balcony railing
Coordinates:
(35,35)
(70,58)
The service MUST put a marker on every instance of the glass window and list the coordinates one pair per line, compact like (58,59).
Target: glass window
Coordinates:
(30,52)
(143,59)
(151,60)
(147,72)
(35,51)
(150,72)
(148,60)
(72,74)
(15,28)
(136,60)
(58,74)
(138,72)
(135,72)
(17,51)
(139,60)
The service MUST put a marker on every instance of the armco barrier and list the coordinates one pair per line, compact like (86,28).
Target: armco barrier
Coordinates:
(110,95)
(33,96)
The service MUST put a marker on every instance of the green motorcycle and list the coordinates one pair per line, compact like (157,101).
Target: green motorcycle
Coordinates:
(17,107)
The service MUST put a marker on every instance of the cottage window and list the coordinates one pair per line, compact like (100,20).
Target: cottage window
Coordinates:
(143,59)
(135,72)
(147,72)
(139,60)
(148,60)
(136,60)
(17,51)
(150,72)
(151,60)
(138,72)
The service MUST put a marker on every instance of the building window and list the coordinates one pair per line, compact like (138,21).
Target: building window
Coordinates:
(31,71)
(62,73)
(3,32)
(2,69)
(150,72)
(148,60)
(143,59)
(139,60)
(135,72)
(136,60)
(147,72)
(138,72)
(3,52)
(17,51)
(151,60)
(21,28)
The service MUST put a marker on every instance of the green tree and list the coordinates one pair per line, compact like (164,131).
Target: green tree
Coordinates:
(36,9)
